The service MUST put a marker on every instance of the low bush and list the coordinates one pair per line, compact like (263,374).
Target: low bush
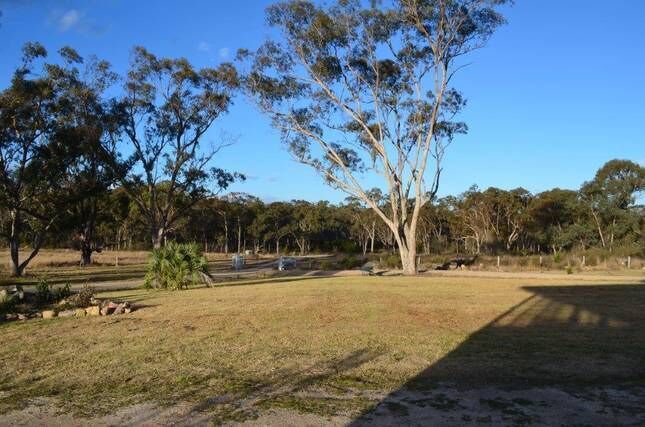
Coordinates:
(84,297)
(175,266)
(391,261)
(326,265)
(351,262)
(46,293)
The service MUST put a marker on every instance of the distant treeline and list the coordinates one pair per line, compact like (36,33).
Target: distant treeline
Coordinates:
(603,214)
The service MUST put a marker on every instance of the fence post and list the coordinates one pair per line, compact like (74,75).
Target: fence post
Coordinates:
(498,262)
(629,262)
(584,261)
(540,261)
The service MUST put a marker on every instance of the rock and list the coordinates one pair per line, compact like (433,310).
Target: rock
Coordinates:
(119,309)
(22,316)
(112,305)
(127,310)
(105,311)
(11,316)
(4,295)
(94,310)
(35,315)
(79,312)
(95,301)
(66,313)
(62,302)
(48,314)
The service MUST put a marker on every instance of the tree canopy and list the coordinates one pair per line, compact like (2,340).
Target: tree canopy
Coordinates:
(357,89)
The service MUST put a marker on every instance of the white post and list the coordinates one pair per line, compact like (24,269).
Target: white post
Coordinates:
(498,262)
(629,262)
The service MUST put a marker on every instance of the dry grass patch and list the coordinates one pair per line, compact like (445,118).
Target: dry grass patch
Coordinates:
(60,266)
(330,342)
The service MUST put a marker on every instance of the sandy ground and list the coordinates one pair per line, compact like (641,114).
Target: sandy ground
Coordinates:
(443,406)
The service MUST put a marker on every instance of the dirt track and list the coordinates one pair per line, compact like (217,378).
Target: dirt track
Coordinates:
(445,406)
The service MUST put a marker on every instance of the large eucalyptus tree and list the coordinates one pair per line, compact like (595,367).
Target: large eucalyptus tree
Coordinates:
(32,172)
(357,89)
(167,107)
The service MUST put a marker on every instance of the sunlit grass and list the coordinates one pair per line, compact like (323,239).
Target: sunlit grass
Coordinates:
(270,341)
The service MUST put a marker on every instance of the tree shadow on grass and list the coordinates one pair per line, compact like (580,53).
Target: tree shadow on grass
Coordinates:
(283,384)
(78,279)
(566,337)
(265,281)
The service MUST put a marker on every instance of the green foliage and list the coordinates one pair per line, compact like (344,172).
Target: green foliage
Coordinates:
(392,261)
(43,291)
(46,293)
(167,107)
(348,247)
(175,266)
(326,265)
(351,262)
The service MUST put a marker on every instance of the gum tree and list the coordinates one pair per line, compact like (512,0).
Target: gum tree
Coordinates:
(32,168)
(610,195)
(357,90)
(167,108)
(84,125)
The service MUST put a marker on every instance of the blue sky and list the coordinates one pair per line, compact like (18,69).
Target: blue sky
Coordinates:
(556,93)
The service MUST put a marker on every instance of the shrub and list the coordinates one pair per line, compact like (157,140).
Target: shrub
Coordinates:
(326,265)
(62,292)
(569,269)
(46,293)
(84,297)
(175,266)
(392,261)
(351,262)
(348,247)
(43,292)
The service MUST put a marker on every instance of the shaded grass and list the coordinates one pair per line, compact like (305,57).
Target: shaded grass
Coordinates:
(237,348)
(61,266)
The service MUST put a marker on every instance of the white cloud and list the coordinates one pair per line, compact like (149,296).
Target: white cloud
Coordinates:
(203,47)
(223,53)
(74,20)
(69,19)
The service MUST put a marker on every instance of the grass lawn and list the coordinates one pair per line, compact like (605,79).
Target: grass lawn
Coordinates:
(324,345)
(60,266)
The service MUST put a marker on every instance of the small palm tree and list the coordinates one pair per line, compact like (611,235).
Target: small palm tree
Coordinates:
(175,266)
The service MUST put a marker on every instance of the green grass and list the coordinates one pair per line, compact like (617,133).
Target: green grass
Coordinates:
(322,345)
